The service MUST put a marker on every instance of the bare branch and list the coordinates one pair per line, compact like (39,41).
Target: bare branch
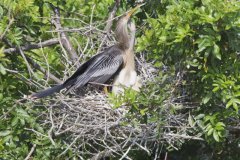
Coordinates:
(63,36)
(31,152)
(41,69)
(33,46)
(108,27)
(183,136)
(25,59)
(111,16)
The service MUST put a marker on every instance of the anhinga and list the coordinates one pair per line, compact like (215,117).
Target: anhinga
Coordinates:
(116,61)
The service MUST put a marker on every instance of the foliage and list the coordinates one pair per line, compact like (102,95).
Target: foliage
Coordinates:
(196,39)
(26,22)
(204,37)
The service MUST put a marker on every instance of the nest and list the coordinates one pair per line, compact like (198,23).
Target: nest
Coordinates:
(91,127)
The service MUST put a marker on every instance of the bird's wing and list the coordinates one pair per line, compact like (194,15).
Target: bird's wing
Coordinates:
(98,69)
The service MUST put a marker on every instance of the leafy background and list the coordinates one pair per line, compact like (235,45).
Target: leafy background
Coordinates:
(196,39)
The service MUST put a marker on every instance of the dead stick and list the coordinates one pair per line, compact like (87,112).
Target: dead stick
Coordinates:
(31,152)
(64,38)
(33,46)
(111,16)
(108,27)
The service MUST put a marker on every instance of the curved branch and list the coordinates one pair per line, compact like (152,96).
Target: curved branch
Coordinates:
(28,47)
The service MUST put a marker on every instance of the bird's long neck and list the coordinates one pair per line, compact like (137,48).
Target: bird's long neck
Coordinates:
(130,52)
(132,29)
(125,42)
(122,34)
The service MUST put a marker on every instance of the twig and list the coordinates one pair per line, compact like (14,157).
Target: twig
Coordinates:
(38,133)
(125,154)
(143,148)
(26,61)
(184,136)
(31,152)
(108,27)
(64,38)
(33,46)
(69,146)
(41,69)
(35,65)
(111,16)
(166,156)
(7,28)
(51,129)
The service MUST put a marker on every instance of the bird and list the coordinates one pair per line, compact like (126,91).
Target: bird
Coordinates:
(127,76)
(115,62)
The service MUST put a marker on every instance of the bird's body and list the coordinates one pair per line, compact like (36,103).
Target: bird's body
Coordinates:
(127,76)
(115,62)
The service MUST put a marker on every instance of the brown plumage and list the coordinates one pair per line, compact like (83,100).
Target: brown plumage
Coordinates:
(115,62)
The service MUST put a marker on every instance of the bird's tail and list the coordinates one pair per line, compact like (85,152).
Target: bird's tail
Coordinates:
(48,91)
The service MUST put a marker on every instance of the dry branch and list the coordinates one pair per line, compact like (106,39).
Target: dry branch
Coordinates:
(28,47)
(108,26)
(26,61)
(63,36)
(44,71)
(111,16)
(31,152)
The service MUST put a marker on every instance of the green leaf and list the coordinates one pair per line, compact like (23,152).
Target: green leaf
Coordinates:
(208,127)
(5,133)
(216,89)
(200,116)
(216,52)
(2,69)
(14,121)
(191,121)
(235,106)
(7,138)
(210,131)
(207,98)
(22,112)
(1,96)
(215,136)
(220,124)
(230,102)
(143,111)
(1,11)
(219,128)
(236,100)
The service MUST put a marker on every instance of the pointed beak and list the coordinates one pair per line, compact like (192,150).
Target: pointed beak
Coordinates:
(134,10)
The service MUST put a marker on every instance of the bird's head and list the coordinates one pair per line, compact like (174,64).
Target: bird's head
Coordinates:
(127,15)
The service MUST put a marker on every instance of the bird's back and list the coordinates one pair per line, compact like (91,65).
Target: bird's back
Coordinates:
(99,69)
